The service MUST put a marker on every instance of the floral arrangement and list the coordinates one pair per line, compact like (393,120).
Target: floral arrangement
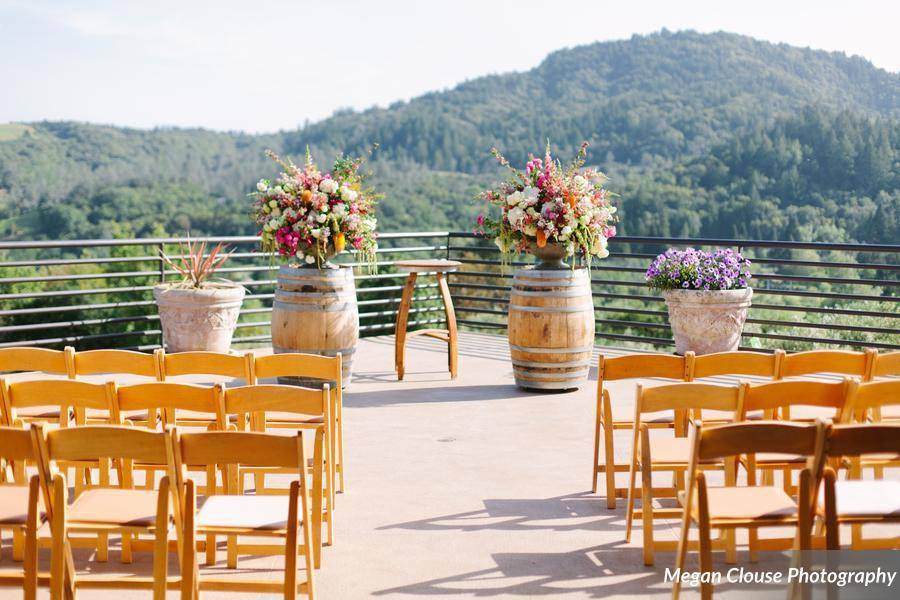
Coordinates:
(549,204)
(699,270)
(310,216)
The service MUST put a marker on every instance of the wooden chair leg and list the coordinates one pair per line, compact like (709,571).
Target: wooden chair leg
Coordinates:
(609,457)
(647,496)
(58,541)
(161,543)
(18,545)
(598,430)
(29,583)
(706,590)
(232,557)
(291,545)
(189,570)
(681,551)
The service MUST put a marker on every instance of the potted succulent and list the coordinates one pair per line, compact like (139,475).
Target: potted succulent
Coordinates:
(707,294)
(198,313)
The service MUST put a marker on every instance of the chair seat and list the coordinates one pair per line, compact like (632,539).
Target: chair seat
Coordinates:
(14,504)
(671,450)
(880,457)
(109,506)
(102,415)
(285,417)
(754,503)
(265,513)
(774,457)
(865,498)
(38,412)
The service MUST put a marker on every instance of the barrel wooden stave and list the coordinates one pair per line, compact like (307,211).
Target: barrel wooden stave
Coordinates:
(551,328)
(315,312)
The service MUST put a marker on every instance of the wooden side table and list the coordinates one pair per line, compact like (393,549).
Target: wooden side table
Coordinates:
(413,268)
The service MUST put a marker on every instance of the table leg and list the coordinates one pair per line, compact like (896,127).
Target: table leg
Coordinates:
(453,351)
(400,328)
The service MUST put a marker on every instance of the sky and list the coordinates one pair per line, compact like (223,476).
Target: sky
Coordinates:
(267,65)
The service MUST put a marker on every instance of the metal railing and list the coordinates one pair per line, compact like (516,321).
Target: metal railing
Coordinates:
(92,293)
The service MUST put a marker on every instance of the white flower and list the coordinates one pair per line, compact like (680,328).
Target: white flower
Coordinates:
(598,248)
(322,217)
(315,233)
(339,209)
(328,186)
(348,195)
(580,183)
(278,189)
(566,232)
(515,215)
(310,259)
(273,203)
(262,185)
(299,254)
(276,212)
(530,193)
(530,229)
(514,198)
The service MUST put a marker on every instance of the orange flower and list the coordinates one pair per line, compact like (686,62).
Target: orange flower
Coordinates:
(541,238)
(339,242)
(570,199)
(306,195)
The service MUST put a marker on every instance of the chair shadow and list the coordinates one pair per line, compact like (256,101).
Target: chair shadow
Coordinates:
(596,572)
(570,512)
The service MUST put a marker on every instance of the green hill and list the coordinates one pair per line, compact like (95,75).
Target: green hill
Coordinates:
(703,134)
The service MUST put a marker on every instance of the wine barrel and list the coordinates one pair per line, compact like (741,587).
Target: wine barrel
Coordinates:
(315,312)
(551,328)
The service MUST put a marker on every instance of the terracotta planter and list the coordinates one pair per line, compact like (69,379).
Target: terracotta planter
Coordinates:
(198,319)
(707,321)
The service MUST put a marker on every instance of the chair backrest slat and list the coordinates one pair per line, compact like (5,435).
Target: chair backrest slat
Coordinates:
(116,361)
(281,398)
(886,365)
(59,392)
(781,394)
(208,363)
(868,438)
(240,447)
(37,359)
(16,444)
(632,366)
(298,365)
(688,396)
(166,395)
(825,361)
(751,437)
(737,363)
(92,442)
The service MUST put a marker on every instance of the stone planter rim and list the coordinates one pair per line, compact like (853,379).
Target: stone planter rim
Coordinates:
(224,293)
(688,296)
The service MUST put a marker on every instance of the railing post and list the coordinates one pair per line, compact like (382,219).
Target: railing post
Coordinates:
(160,248)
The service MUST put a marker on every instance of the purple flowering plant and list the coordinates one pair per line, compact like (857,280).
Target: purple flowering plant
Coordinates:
(692,269)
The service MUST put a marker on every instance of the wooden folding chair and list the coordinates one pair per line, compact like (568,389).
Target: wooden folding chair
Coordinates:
(775,400)
(310,370)
(632,366)
(730,507)
(21,510)
(286,517)
(856,501)
(42,360)
(162,402)
(116,363)
(308,409)
(216,364)
(670,454)
(885,366)
(115,509)
(840,362)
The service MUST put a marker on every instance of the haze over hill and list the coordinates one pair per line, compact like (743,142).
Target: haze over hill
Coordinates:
(716,135)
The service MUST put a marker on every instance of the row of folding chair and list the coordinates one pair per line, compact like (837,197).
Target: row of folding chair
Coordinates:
(39,508)
(846,401)
(158,404)
(867,365)
(161,366)
(833,503)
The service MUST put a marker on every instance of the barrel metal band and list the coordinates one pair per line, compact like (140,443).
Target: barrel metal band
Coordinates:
(566,294)
(553,309)
(321,351)
(551,365)
(551,350)
(292,307)
(580,374)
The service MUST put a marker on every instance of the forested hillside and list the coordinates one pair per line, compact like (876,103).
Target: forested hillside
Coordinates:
(714,135)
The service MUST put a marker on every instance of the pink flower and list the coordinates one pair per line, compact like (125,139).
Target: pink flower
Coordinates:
(480,219)
(610,231)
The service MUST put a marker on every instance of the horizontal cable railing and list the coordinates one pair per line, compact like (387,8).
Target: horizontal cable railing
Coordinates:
(99,293)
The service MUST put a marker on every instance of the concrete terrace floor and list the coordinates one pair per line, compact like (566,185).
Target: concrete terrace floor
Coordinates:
(466,489)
